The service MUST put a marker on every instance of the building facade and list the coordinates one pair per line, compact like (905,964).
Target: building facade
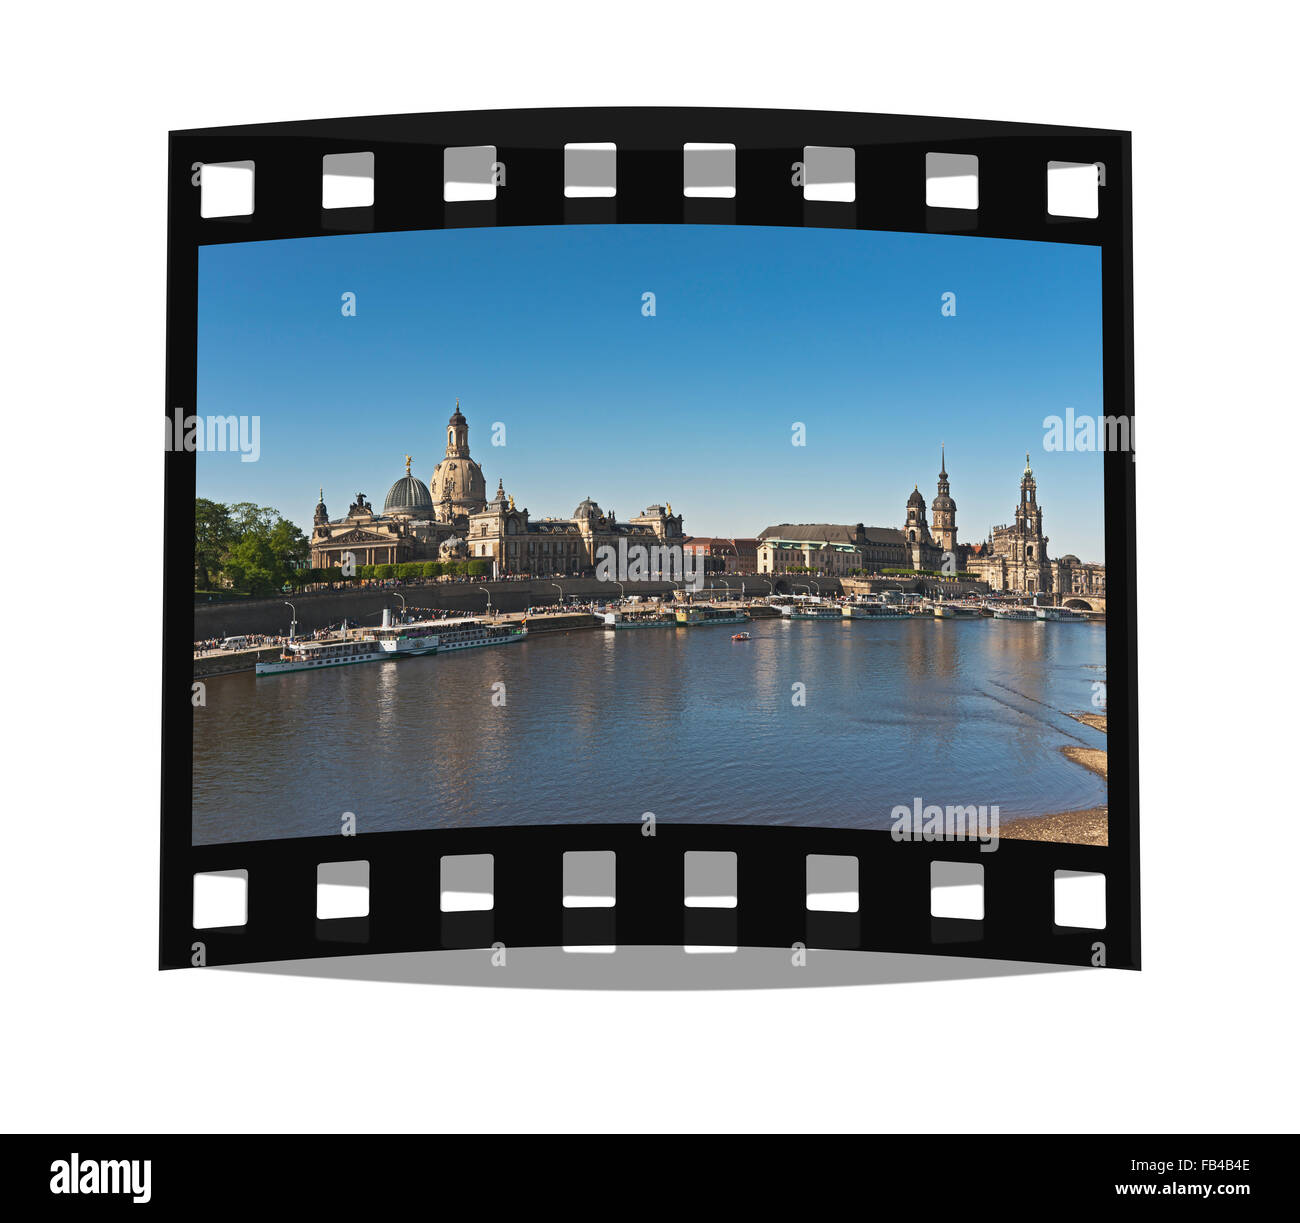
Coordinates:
(722,554)
(558,547)
(451,519)
(1014,558)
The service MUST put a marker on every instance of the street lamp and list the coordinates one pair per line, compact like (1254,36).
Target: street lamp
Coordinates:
(487,592)
(293,624)
(403,598)
(560,589)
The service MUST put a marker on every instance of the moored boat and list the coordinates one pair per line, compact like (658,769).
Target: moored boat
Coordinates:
(872,610)
(469,634)
(409,639)
(958,611)
(809,612)
(1058,613)
(694,616)
(333,652)
(640,619)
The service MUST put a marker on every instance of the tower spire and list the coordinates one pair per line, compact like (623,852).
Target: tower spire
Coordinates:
(943,463)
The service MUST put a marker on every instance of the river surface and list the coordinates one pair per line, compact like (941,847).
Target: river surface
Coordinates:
(601,726)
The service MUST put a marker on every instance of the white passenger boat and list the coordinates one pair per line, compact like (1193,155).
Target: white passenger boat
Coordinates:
(313,655)
(470,634)
(1057,613)
(815,611)
(409,639)
(804,607)
(871,609)
(691,617)
(1015,613)
(958,611)
(640,619)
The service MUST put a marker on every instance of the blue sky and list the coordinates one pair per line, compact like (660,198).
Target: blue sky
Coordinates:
(755,328)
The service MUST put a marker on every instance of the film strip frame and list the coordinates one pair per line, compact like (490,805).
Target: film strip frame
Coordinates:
(771,909)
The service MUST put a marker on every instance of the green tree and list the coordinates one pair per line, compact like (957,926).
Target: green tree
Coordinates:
(253,546)
(288,542)
(214,533)
(253,567)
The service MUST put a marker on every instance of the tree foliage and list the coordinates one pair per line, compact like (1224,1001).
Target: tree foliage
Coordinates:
(250,548)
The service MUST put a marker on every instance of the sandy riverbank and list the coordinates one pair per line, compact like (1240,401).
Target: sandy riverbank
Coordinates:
(1088,827)
(1070,827)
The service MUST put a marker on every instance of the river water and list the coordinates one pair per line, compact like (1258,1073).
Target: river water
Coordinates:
(601,726)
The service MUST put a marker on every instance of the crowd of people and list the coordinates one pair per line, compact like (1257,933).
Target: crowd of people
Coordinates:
(245,641)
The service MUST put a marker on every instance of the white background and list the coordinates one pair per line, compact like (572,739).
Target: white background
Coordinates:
(93,1036)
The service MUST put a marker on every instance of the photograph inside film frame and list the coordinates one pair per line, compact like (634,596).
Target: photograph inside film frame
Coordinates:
(568,525)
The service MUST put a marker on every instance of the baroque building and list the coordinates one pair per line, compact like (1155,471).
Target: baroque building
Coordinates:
(451,519)
(518,543)
(944,511)
(1013,558)
(458,489)
(1018,550)
(835,549)
(722,554)
(829,549)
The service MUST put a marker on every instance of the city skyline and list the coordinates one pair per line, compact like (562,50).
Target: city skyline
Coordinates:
(754,330)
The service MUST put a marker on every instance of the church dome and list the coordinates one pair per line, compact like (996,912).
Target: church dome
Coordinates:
(943,502)
(587,508)
(460,483)
(458,486)
(408,496)
(916,498)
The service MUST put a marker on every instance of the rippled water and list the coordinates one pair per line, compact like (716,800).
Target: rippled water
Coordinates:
(602,726)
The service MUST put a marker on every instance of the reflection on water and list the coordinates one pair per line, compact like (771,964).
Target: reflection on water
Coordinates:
(599,727)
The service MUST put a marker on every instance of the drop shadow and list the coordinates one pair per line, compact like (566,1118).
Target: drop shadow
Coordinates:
(650,968)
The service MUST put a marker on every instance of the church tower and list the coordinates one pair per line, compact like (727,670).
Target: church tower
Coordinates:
(944,510)
(915,529)
(1030,557)
(1029,515)
(457,488)
(918,543)
(457,435)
